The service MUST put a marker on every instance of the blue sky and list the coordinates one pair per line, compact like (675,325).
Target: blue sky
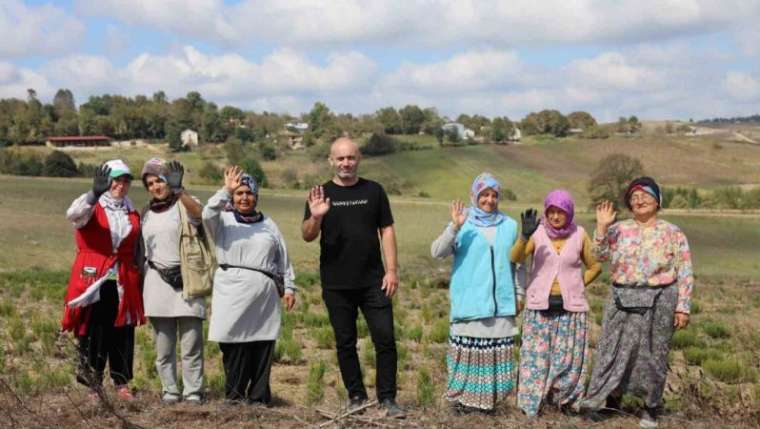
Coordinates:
(656,59)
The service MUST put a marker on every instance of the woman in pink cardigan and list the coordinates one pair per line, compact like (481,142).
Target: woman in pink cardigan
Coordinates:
(555,353)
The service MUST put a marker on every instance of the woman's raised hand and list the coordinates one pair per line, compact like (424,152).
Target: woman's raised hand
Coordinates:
(458,214)
(102,181)
(232,176)
(605,216)
(529,220)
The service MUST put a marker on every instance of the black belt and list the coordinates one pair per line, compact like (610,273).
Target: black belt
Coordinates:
(277,279)
(642,286)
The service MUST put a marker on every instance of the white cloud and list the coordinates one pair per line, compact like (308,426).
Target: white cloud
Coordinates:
(742,86)
(276,82)
(36,30)
(430,23)
(14,81)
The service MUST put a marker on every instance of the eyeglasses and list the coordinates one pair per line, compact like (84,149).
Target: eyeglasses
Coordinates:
(642,198)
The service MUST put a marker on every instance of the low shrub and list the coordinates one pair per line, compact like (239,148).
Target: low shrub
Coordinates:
(729,371)
(715,329)
(425,388)
(315,390)
(439,332)
(685,338)
(325,337)
(697,355)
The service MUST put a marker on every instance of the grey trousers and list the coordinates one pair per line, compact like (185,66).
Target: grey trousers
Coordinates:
(190,332)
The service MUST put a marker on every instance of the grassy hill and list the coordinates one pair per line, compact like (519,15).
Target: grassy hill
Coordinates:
(529,169)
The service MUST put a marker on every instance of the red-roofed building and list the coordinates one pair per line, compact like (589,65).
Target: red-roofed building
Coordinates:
(78,141)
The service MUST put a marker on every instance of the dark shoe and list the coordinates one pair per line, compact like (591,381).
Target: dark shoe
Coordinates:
(355,403)
(648,418)
(392,409)
(614,403)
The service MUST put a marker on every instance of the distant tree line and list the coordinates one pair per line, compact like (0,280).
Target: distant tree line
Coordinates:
(157,117)
(753,119)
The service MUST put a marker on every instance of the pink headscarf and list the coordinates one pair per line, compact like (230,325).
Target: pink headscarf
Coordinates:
(562,200)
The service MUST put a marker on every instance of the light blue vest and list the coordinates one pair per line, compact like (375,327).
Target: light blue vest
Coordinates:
(481,279)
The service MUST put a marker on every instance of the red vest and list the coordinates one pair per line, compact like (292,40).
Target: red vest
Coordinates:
(95,256)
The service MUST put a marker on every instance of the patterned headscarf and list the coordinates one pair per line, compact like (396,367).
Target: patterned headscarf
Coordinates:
(562,200)
(255,216)
(475,215)
(156,167)
(646,184)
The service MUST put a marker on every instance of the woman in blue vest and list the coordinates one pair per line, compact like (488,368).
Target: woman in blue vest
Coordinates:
(484,299)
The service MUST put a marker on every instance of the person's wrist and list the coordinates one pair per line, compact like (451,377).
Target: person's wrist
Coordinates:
(316,217)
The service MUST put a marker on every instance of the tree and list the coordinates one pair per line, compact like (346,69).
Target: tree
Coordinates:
(391,120)
(252,167)
(501,129)
(412,118)
(545,122)
(581,120)
(320,118)
(380,144)
(59,164)
(63,102)
(612,176)
(235,151)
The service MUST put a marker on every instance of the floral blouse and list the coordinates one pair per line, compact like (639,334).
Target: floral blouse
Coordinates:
(654,256)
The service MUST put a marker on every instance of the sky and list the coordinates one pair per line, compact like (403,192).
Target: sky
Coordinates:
(657,59)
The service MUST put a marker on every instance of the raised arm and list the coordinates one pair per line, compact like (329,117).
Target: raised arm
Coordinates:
(175,173)
(605,216)
(212,211)
(80,211)
(444,245)
(318,206)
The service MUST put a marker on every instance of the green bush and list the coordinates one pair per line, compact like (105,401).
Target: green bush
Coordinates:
(380,144)
(425,388)
(288,350)
(211,172)
(715,329)
(59,164)
(315,390)
(252,167)
(685,338)
(697,355)
(325,337)
(439,332)
(729,370)
(415,334)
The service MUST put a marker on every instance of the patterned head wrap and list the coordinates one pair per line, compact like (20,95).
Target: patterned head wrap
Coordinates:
(255,216)
(562,200)
(480,217)
(154,166)
(646,184)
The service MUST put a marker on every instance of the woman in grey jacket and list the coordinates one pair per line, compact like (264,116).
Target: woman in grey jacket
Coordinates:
(254,273)
(171,315)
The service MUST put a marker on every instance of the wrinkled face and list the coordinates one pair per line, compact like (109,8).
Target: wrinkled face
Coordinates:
(157,188)
(244,200)
(344,158)
(556,217)
(488,200)
(120,186)
(643,204)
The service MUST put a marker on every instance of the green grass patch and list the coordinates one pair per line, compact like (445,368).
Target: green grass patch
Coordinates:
(439,332)
(685,338)
(730,370)
(715,329)
(425,388)
(315,390)
(697,355)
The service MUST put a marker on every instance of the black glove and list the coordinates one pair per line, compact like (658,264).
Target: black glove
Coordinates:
(529,220)
(174,173)
(100,183)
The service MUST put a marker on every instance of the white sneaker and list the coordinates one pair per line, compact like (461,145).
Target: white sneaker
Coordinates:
(170,398)
(194,398)
(648,419)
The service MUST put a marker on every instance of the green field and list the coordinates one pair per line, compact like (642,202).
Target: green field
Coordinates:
(34,226)
(714,365)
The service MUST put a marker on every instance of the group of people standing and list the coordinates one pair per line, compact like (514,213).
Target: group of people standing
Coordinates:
(652,281)
(127,262)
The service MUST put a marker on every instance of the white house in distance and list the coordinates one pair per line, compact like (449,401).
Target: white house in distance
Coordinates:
(189,138)
(463,132)
(298,127)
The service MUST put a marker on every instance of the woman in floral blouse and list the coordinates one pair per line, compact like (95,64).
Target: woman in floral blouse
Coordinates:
(651,273)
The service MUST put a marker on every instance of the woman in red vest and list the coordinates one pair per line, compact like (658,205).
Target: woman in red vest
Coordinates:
(103,299)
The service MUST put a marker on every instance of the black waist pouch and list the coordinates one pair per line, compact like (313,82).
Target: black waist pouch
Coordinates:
(555,303)
(636,298)
(172,276)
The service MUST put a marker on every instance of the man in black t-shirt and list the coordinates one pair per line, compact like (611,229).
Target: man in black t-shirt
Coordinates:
(354,218)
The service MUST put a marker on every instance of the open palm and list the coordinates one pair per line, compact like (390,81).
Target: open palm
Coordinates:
(318,204)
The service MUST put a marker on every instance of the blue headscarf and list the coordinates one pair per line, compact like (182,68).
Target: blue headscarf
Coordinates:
(475,215)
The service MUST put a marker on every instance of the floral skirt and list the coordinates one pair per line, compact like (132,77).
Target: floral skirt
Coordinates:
(553,359)
(481,371)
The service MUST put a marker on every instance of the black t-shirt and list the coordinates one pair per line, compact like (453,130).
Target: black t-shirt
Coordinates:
(349,244)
